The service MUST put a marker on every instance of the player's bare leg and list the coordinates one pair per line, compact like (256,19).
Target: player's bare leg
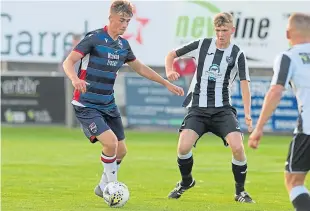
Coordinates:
(108,157)
(299,195)
(185,162)
(239,166)
(121,153)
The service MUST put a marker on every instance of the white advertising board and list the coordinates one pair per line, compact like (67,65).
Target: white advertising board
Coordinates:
(41,31)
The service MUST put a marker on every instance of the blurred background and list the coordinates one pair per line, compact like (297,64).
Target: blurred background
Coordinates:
(36,37)
(44,161)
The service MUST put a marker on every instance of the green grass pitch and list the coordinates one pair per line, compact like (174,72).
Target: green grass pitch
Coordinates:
(56,169)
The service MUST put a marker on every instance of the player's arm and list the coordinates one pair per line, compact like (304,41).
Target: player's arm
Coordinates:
(188,50)
(142,69)
(271,101)
(245,88)
(280,81)
(150,74)
(68,65)
(83,48)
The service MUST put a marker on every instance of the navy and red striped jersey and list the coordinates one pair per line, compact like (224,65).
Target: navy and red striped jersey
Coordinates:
(102,58)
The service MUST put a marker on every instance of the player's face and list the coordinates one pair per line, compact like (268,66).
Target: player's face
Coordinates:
(223,33)
(120,22)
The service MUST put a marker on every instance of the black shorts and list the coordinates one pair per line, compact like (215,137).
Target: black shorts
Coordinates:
(220,121)
(298,159)
(94,122)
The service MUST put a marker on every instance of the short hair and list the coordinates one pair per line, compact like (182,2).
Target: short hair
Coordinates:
(300,22)
(122,7)
(222,19)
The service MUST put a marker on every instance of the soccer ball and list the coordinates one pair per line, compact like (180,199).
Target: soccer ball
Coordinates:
(116,194)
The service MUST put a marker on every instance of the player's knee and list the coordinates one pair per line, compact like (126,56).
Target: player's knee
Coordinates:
(234,140)
(184,149)
(113,143)
(237,148)
(121,152)
(122,155)
(109,140)
(186,141)
(293,180)
(110,145)
(238,153)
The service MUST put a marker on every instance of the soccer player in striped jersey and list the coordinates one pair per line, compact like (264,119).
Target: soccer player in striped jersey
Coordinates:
(102,53)
(292,67)
(219,62)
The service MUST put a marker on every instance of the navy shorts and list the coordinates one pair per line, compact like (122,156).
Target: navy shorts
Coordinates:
(94,122)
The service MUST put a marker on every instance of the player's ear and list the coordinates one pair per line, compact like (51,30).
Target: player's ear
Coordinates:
(288,36)
(233,29)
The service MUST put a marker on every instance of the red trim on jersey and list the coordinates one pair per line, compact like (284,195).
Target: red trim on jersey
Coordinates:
(77,93)
(105,28)
(108,160)
(80,52)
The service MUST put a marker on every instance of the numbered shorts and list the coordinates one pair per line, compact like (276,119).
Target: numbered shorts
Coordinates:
(219,121)
(298,159)
(94,122)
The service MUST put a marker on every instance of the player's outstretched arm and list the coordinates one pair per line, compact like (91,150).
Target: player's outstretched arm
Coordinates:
(244,77)
(148,73)
(271,101)
(68,66)
(280,81)
(246,98)
(171,74)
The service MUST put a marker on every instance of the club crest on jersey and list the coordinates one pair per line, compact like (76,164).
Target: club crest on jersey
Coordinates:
(214,72)
(120,43)
(305,58)
(93,127)
(229,60)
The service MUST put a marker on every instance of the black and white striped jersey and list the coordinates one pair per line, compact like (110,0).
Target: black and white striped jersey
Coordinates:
(292,67)
(215,73)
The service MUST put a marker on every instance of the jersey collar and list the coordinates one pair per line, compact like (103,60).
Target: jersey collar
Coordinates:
(105,29)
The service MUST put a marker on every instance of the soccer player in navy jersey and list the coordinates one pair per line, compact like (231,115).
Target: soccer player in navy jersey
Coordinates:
(102,53)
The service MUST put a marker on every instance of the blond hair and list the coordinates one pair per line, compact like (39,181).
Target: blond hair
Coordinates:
(300,22)
(122,7)
(222,19)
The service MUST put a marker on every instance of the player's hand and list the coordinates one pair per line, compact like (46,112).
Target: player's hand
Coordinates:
(254,138)
(175,89)
(248,122)
(173,76)
(80,85)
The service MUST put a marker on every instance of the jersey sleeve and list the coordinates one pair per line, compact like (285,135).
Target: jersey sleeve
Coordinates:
(243,68)
(282,70)
(86,45)
(130,55)
(188,50)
